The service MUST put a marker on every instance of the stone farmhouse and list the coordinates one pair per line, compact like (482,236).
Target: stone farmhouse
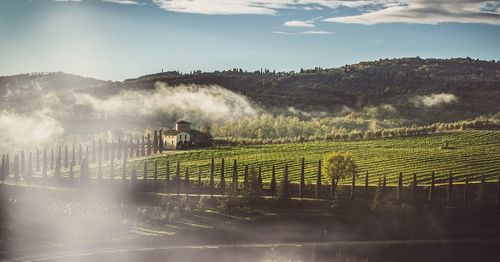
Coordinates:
(183,137)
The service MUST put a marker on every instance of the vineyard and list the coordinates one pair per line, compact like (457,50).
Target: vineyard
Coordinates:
(470,154)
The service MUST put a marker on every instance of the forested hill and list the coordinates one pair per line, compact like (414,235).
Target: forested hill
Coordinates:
(390,81)
(468,87)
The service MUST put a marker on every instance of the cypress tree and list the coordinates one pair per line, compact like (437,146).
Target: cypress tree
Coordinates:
(105,151)
(367,189)
(259,178)
(431,188)
(318,181)
(73,155)
(161,141)
(178,177)
(44,168)
(133,179)
(7,166)
(222,178)
(155,142)
(80,154)
(245,177)
(66,157)
(466,191)
(112,170)
(23,164)
(353,188)
(57,171)
(84,173)
(145,175)
(99,169)
(52,160)
(186,181)
(131,147)
(199,180)
(413,192)
(384,184)
(235,175)
(71,174)
(15,169)
(149,144)
(119,149)
(2,169)
(155,181)
(449,188)
(273,182)
(137,148)
(481,189)
(399,193)
(93,152)
(211,185)
(143,152)
(302,185)
(30,168)
(167,176)
(37,160)
(124,174)
(284,193)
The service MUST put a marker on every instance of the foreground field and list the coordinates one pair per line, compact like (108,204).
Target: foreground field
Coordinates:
(470,154)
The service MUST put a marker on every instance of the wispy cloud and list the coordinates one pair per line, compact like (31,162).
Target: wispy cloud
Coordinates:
(297,23)
(303,33)
(428,12)
(125,2)
(372,11)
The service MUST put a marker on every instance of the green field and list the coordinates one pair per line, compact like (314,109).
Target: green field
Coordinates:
(471,153)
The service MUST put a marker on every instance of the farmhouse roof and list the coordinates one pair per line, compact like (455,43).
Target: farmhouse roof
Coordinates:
(183,122)
(171,132)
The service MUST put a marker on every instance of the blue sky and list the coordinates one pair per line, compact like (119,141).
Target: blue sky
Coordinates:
(117,39)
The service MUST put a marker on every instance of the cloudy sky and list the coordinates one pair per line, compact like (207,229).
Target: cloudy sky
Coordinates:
(116,39)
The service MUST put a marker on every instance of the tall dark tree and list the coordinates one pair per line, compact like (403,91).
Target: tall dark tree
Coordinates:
(59,158)
(15,169)
(7,166)
(37,160)
(167,176)
(119,149)
(57,170)
(284,188)
(80,154)
(149,144)
(124,174)
(66,157)
(143,147)
(199,184)
(186,181)
(222,178)
(272,187)
(145,175)
(131,147)
(318,181)
(155,181)
(245,177)
(23,164)
(71,174)
(93,152)
(2,169)
(178,177)
(85,175)
(212,178)
(430,198)
(133,179)
(73,156)
(52,160)
(112,170)
(235,175)
(302,185)
(155,142)
(29,172)
(137,148)
(44,167)
(259,177)
(161,144)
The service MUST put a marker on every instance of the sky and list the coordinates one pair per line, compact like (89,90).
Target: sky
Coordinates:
(119,39)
